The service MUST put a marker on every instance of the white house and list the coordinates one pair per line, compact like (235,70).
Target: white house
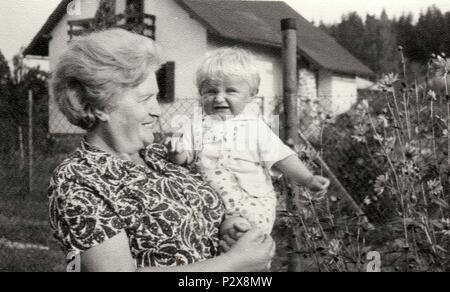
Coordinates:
(188,29)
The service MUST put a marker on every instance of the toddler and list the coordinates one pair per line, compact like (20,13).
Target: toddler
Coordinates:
(233,149)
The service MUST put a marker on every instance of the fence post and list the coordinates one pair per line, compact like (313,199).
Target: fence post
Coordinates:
(290,79)
(21,150)
(30,142)
(290,92)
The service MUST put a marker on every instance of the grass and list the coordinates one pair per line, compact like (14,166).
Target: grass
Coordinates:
(30,261)
(24,222)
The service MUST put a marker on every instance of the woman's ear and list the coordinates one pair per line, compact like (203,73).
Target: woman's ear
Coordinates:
(101,115)
(255,92)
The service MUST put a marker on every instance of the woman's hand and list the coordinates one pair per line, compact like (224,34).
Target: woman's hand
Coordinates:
(253,252)
(250,249)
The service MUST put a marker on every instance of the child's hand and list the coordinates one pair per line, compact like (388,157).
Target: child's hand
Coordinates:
(174,142)
(174,139)
(231,230)
(177,150)
(318,183)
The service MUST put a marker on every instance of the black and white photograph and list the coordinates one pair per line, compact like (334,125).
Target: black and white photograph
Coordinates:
(224,136)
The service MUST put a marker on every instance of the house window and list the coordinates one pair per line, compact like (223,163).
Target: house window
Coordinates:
(166,83)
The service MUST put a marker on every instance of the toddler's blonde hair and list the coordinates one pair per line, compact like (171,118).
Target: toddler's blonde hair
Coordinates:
(229,62)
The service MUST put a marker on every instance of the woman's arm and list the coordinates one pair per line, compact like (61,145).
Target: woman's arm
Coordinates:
(251,253)
(112,255)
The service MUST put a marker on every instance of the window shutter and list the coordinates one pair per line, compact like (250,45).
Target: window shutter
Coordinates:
(166,82)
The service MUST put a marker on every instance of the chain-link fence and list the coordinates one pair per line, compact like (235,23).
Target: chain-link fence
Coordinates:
(30,151)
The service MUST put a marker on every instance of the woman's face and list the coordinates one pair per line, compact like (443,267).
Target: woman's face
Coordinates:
(135,115)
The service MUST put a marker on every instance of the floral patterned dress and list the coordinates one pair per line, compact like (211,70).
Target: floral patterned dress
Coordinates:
(170,215)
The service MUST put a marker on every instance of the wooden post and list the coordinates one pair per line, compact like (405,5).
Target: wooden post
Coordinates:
(30,142)
(290,90)
(22,159)
(21,150)
(290,79)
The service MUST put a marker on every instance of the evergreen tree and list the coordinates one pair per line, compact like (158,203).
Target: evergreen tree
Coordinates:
(446,36)
(375,41)
(387,45)
(370,43)
(348,34)
(431,30)
(324,27)
(5,78)
(407,37)
(329,29)
(5,74)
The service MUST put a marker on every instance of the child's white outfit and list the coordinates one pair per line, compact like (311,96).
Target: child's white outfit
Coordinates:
(235,158)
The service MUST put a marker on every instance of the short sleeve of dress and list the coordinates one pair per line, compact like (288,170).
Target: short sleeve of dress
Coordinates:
(271,148)
(188,136)
(80,217)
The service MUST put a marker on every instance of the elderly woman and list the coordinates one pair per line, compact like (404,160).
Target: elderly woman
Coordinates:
(117,200)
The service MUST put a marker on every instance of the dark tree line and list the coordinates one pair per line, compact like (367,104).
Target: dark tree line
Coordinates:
(375,40)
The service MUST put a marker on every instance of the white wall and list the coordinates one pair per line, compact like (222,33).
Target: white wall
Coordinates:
(307,84)
(183,40)
(60,36)
(58,124)
(344,94)
(325,83)
(337,93)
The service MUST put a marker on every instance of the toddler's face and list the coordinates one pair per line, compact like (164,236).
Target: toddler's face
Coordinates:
(225,98)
